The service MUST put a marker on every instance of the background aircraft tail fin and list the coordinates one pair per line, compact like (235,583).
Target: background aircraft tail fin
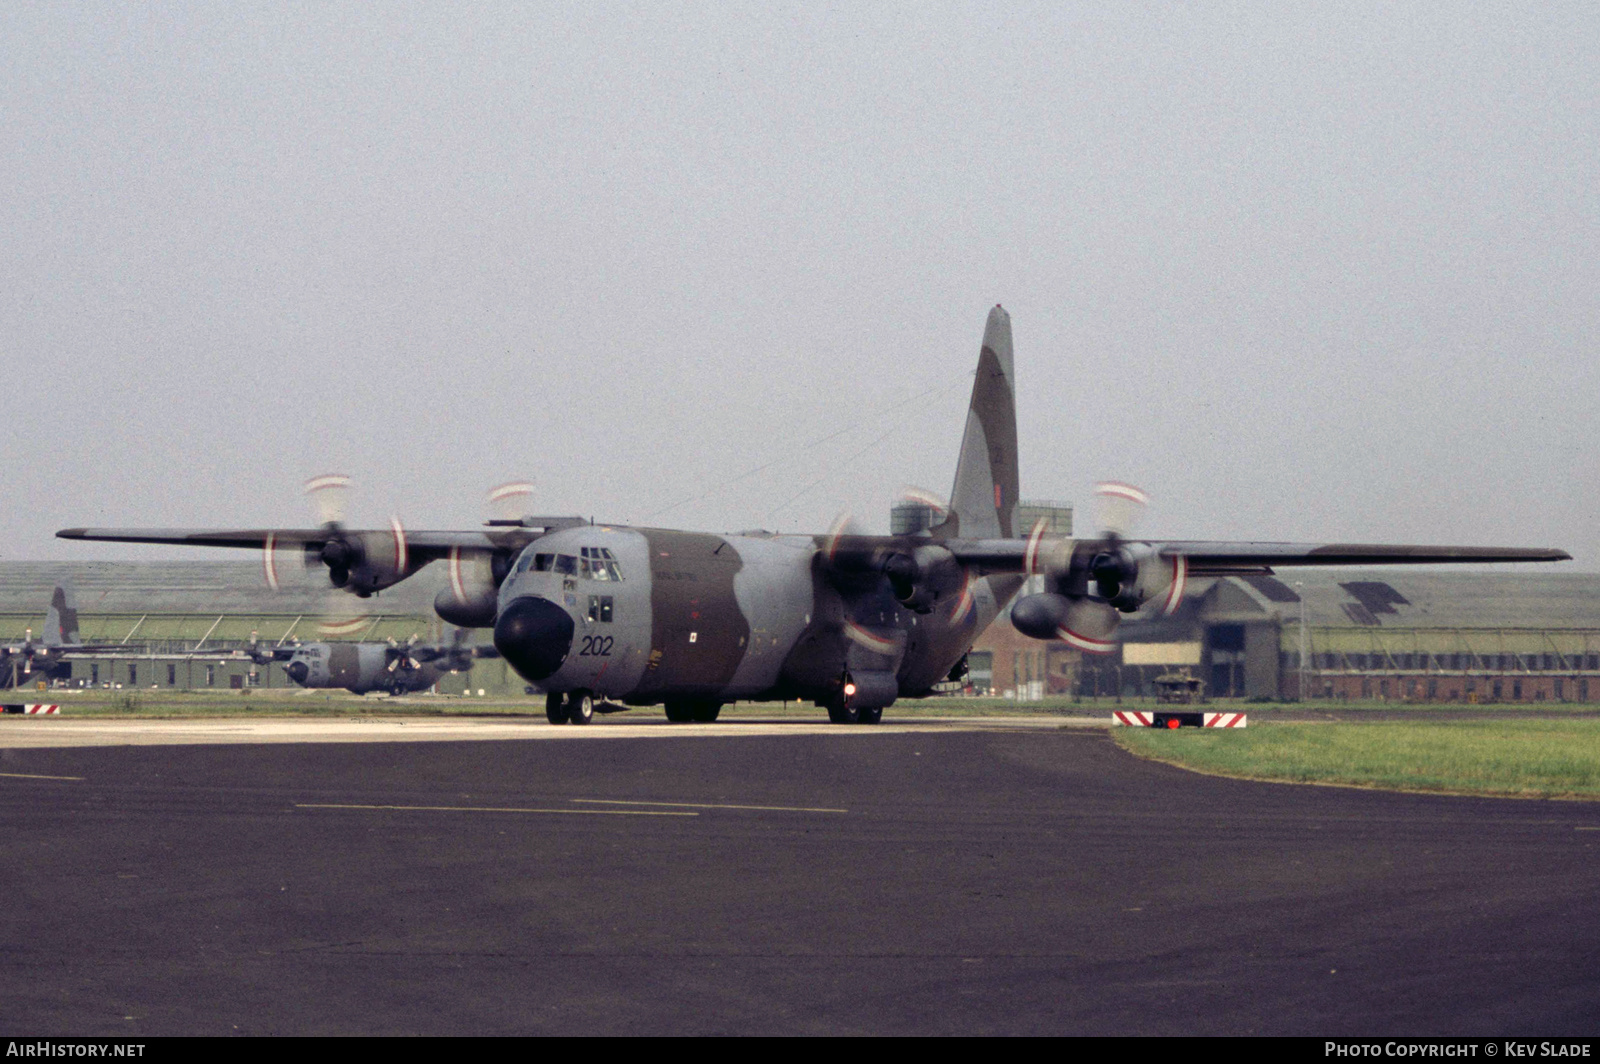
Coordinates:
(985,494)
(61,623)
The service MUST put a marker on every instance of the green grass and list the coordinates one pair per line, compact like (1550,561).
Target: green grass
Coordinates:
(1519,758)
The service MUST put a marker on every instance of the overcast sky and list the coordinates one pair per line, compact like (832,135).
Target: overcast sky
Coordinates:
(1301,271)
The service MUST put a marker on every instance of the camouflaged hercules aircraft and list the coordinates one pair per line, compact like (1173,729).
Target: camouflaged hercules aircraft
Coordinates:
(692,620)
(392,668)
(46,658)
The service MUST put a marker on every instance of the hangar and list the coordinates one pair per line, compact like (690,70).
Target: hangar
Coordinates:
(1374,634)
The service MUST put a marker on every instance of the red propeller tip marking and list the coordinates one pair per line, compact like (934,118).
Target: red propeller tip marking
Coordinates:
(330,480)
(399,531)
(507,491)
(1124,491)
(1085,643)
(269,564)
(1031,559)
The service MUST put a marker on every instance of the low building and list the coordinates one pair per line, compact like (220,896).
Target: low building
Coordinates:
(1357,634)
(187,625)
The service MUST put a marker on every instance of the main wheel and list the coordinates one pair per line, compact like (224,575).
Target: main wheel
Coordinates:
(706,712)
(843,714)
(555,708)
(580,707)
(870,716)
(680,712)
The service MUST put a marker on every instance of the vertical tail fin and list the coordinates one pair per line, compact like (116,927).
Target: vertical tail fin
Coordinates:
(985,494)
(61,623)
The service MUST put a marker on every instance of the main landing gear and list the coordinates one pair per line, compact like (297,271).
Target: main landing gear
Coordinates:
(841,712)
(689,711)
(573,707)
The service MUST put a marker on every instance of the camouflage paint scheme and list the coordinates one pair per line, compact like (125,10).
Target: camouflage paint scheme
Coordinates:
(47,659)
(708,619)
(358,667)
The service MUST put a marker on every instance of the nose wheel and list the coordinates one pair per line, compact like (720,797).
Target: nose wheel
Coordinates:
(571,707)
(580,707)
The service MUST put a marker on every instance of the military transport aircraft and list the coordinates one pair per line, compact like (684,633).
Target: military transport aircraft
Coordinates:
(393,668)
(851,622)
(46,659)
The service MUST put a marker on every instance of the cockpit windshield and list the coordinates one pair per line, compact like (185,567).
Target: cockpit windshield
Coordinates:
(595,563)
(600,564)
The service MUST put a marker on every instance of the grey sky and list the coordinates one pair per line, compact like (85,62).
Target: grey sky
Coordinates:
(1301,272)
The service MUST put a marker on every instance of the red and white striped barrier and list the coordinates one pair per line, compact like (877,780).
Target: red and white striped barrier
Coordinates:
(34,709)
(1136,718)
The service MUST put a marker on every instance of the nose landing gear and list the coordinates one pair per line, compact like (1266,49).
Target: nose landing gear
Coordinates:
(571,707)
(843,707)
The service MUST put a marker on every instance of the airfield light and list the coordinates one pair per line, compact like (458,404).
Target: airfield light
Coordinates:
(1172,723)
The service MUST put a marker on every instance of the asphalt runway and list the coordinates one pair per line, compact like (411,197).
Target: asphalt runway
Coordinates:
(919,881)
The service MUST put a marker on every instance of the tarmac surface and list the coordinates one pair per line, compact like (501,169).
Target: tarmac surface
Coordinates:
(780,879)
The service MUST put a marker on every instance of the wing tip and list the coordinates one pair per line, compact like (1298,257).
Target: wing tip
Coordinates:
(72,533)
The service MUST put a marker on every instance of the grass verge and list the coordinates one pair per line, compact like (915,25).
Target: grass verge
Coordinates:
(1513,758)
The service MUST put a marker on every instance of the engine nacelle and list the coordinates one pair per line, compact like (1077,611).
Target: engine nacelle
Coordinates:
(478,611)
(1040,616)
(471,597)
(1126,576)
(1155,580)
(365,562)
(1085,623)
(1094,583)
(923,577)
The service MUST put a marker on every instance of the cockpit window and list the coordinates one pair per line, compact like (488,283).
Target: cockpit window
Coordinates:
(566,564)
(600,564)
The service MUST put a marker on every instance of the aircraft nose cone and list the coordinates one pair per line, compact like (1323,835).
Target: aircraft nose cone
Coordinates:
(534,635)
(297,671)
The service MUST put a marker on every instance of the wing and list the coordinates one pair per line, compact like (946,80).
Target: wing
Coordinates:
(1220,558)
(1208,558)
(257,538)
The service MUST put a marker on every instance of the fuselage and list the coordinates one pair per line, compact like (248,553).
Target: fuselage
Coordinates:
(645,616)
(357,667)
